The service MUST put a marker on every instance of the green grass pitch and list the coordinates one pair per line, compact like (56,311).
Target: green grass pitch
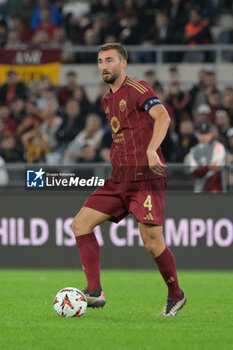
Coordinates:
(128,321)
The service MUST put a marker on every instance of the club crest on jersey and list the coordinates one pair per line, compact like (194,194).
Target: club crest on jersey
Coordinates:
(122,105)
(115,124)
(107,110)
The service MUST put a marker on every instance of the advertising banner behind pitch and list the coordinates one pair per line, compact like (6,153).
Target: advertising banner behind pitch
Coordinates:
(35,231)
(30,64)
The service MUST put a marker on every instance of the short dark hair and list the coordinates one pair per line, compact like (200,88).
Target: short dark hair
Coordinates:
(114,46)
(71,73)
(11,72)
(150,72)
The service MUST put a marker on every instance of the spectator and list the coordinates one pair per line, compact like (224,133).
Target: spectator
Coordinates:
(10,150)
(84,146)
(150,77)
(186,140)
(18,25)
(230,146)
(197,88)
(36,16)
(222,122)
(210,82)
(131,31)
(66,92)
(109,8)
(26,8)
(45,24)
(2,131)
(201,115)
(160,33)
(215,132)
(206,161)
(4,178)
(80,95)
(12,88)
(178,17)
(51,124)
(103,88)
(148,10)
(197,32)
(40,39)
(72,123)
(3,7)
(8,124)
(179,101)
(60,41)
(35,147)
(110,39)
(14,40)
(227,102)
(3,33)
(17,108)
(226,37)
(209,85)
(90,38)
(102,27)
(128,8)
(34,91)
(174,75)
(31,121)
(74,26)
(46,91)
(213,100)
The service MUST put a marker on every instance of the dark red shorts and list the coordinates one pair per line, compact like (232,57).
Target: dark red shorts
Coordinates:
(144,199)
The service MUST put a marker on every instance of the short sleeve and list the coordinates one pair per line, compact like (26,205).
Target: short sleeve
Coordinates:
(140,92)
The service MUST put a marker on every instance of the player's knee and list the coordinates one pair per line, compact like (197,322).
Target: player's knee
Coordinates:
(79,226)
(151,246)
(154,246)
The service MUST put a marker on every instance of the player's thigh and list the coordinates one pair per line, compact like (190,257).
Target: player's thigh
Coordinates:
(151,232)
(87,219)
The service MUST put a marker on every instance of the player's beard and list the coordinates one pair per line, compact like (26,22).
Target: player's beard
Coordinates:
(110,78)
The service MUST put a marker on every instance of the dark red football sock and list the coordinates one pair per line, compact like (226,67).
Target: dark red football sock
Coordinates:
(89,252)
(167,267)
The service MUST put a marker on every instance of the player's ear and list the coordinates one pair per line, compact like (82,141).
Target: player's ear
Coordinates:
(123,63)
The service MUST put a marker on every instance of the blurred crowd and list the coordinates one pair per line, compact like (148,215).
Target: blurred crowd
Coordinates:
(57,23)
(43,123)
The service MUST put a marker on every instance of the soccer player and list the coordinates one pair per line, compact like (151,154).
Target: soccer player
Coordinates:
(138,123)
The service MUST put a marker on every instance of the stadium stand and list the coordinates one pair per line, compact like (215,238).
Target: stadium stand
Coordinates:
(38,119)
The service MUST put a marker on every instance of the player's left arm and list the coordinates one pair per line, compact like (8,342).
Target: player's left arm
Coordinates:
(161,125)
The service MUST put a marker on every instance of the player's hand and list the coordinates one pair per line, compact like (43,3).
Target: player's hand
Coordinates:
(155,163)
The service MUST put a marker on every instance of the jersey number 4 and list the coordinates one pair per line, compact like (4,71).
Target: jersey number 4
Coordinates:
(147,203)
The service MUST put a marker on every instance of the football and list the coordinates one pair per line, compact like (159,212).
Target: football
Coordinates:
(70,302)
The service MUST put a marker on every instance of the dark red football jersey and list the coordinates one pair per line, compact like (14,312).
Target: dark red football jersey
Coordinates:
(132,129)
